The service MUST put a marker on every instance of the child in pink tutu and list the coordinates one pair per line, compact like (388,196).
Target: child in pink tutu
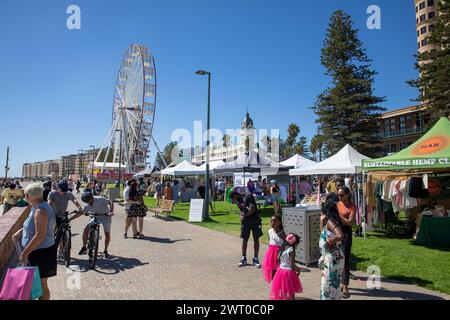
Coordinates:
(286,282)
(276,236)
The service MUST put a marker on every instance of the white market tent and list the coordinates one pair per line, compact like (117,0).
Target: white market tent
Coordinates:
(212,166)
(298,162)
(147,172)
(182,169)
(346,161)
(252,162)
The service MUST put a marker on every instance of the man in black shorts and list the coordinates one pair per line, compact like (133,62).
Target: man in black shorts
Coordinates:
(250,221)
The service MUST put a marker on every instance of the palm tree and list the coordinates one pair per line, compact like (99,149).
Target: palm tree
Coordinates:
(293,131)
(316,146)
(167,154)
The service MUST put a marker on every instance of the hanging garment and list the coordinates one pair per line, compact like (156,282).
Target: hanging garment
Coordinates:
(386,190)
(408,201)
(398,194)
(416,189)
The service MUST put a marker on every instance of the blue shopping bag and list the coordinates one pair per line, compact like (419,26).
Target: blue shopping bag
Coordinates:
(36,288)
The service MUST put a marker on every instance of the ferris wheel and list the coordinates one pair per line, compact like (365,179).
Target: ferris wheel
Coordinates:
(133,112)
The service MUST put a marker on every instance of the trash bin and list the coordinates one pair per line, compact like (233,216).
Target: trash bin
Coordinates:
(304,221)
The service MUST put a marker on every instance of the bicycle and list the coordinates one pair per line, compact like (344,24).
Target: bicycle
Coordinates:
(94,239)
(65,232)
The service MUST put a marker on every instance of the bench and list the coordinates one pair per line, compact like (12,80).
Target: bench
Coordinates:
(164,206)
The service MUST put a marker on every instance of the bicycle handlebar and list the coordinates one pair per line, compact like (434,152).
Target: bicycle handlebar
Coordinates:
(98,214)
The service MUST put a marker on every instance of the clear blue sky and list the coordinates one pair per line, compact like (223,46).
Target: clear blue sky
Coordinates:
(57,85)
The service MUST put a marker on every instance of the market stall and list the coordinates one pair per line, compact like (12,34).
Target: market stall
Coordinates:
(212,166)
(415,181)
(182,169)
(345,161)
(252,163)
(148,172)
(298,162)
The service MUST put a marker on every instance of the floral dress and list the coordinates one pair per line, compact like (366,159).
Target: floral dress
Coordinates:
(138,210)
(332,264)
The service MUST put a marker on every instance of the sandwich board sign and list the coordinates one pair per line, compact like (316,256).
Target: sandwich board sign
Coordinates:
(196,210)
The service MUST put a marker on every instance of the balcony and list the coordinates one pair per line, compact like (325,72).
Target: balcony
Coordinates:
(403,132)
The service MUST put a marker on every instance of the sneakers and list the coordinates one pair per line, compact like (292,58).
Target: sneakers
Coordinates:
(83,251)
(243,262)
(256,262)
(106,254)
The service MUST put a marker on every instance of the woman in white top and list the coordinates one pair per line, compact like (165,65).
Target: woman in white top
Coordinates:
(286,282)
(276,236)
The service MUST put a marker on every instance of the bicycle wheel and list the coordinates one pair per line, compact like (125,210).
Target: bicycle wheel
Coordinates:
(67,242)
(93,248)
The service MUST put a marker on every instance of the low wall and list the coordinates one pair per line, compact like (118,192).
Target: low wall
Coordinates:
(10,223)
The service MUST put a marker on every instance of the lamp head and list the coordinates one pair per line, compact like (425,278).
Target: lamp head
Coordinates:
(202,72)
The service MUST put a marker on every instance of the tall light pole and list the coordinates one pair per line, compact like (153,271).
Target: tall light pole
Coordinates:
(120,158)
(93,159)
(81,164)
(208,126)
(7,163)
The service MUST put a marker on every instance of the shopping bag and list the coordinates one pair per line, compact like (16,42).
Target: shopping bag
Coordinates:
(36,288)
(17,284)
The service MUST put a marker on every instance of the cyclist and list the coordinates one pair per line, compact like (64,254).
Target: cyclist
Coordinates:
(59,201)
(100,206)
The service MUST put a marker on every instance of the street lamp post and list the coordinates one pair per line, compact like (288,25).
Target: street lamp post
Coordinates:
(7,164)
(120,158)
(93,160)
(81,164)
(208,126)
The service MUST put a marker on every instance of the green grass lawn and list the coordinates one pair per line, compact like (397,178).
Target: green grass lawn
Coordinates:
(224,219)
(398,258)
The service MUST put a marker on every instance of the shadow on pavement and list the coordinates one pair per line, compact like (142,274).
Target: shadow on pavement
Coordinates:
(111,266)
(383,293)
(162,240)
(402,280)
(167,218)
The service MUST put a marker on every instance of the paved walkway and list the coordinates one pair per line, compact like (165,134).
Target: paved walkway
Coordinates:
(177,260)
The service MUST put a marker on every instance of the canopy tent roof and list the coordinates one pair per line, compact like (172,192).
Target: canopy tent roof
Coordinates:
(182,169)
(252,162)
(345,161)
(212,166)
(297,161)
(431,151)
(147,172)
